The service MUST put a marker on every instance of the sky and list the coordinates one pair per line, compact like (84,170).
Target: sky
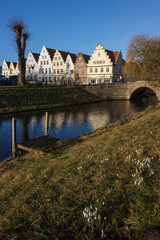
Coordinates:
(78,26)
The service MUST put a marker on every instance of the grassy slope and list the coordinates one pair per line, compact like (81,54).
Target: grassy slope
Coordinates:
(16,98)
(44,197)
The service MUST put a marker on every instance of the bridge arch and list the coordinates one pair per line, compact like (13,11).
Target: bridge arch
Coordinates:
(142,91)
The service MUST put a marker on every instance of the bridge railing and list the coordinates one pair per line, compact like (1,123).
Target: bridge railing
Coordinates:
(141,77)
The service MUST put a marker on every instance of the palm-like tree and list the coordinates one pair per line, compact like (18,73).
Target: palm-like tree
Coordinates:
(18,27)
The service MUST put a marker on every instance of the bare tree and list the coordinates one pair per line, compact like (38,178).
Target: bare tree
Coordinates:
(143,56)
(17,26)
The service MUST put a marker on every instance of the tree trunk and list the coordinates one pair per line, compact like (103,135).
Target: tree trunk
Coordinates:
(20,60)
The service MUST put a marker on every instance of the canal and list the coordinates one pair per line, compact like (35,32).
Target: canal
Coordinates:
(67,123)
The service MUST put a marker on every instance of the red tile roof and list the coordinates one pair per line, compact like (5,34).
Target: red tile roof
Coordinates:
(8,64)
(65,54)
(86,57)
(51,52)
(112,55)
(36,56)
(14,64)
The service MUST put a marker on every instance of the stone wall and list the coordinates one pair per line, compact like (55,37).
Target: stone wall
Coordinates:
(121,91)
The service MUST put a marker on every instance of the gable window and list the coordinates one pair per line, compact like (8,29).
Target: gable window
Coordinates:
(54,64)
(96,69)
(61,70)
(101,69)
(79,58)
(57,70)
(49,70)
(44,62)
(46,70)
(90,69)
(77,64)
(57,63)
(61,63)
(82,72)
(99,54)
(82,64)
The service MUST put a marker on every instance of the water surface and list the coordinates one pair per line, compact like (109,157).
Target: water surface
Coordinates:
(67,123)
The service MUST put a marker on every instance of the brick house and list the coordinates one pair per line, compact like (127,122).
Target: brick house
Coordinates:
(80,68)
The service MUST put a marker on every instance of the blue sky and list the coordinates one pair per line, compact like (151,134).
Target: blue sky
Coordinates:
(74,26)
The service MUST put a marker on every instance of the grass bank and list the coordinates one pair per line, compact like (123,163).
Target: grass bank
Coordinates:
(18,99)
(102,185)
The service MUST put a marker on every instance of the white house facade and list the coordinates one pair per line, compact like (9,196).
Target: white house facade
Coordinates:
(32,67)
(45,73)
(70,62)
(104,66)
(6,68)
(59,66)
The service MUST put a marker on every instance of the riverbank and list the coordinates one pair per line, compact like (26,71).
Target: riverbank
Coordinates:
(15,99)
(102,185)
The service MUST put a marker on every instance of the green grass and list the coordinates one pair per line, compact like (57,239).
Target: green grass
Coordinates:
(17,98)
(103,185)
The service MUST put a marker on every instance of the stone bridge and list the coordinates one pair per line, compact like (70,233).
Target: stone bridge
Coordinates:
(123,90)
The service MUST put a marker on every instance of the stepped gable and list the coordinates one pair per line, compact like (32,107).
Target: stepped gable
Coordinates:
(113,55)
(51,52)
(36,56)
(86,57)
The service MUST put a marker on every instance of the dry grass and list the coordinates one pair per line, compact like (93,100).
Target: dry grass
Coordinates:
(43,197)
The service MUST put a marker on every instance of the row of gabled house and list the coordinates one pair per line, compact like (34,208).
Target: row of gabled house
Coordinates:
(53,66)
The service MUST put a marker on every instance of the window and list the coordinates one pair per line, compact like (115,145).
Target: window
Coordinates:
(57,70)
(99,54)
(77,71)
(49,70)
(57,63)
(59,58)
(61,70)
(41,62)
(50,79)
(107,69)
(79,58)
(47,62)
(101,69)
(94,62)
(77,64)
(82,64)
(82,72)
(61,63)
(46,70)
(55,58)
(96,69)
(54,64)
(44,62)
(54,71)
(90,69)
